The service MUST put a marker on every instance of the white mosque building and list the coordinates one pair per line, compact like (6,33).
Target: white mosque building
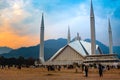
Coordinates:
(74,52)
(79,51)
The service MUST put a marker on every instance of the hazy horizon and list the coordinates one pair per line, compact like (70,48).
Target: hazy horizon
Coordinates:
(47,40)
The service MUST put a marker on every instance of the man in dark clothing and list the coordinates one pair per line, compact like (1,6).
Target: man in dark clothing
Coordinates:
(100,70)
(86,70)
(83,67)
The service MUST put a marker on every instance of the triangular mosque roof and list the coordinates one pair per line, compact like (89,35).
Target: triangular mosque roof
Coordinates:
(76,45)
(82,47)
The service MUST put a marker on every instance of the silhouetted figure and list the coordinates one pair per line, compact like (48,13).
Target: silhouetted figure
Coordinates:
(118,66)
(51,68)
(108,67)
(83,67)
(100,70)
(19,67)
(48,68)
(59,68)
(86,70)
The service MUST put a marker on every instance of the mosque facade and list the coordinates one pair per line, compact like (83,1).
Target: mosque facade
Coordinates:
(79,51)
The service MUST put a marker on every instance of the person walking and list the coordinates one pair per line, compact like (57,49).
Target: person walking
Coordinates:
(86,70)
(100,67)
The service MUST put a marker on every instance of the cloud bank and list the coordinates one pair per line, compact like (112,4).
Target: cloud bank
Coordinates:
(20,20)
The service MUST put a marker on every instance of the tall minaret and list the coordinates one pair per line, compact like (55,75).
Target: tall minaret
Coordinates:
(110,37)
(41,56)
(68,35)
(92,24)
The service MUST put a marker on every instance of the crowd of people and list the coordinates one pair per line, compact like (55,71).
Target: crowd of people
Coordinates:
(85,68)
(21,62)
(101,68)
(52,67)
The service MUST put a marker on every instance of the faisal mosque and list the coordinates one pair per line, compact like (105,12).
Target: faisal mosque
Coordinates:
(79,51)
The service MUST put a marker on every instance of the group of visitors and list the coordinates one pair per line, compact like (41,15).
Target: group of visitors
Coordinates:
(100,70)
(52,68)
(85,68)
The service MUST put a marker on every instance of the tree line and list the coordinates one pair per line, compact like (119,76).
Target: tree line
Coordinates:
(16,62)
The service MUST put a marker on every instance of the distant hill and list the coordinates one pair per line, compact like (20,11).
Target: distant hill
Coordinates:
(116,49)
(51,46)
(103,47)
(5,50)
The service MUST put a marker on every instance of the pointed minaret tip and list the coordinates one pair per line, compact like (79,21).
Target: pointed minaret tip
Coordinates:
(91,10)
(109,20)
(41,54)
(92,26)
(42,14)
(110,37)
(109,25)
(68,34)
(42,21)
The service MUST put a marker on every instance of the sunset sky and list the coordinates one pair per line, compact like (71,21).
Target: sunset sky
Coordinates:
(20,20)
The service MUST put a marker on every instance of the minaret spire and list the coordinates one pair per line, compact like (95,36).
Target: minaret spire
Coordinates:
(41,56)
(110,37)
(92,24)
(68,34)
(91,10)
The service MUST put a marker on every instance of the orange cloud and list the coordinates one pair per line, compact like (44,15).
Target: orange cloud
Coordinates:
(9,38)
(15,41)
(14,32)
